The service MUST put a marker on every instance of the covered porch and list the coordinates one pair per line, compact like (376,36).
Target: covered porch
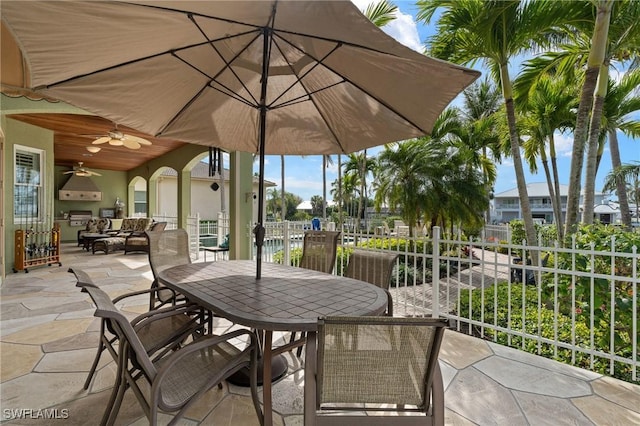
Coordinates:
(49,336)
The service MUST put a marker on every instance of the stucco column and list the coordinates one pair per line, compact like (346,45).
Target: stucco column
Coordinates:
(240,204)
(152,196)
(184,197)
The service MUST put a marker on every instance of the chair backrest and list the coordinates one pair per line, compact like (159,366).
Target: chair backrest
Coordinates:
(168,248)
(396,359)
(119,324)
(319,250)
(373,267)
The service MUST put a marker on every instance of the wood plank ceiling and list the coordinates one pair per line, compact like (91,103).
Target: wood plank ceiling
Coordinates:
(73,133)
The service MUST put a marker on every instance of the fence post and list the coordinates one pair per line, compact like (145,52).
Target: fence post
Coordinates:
(197,236)
(286,240)
(435,273)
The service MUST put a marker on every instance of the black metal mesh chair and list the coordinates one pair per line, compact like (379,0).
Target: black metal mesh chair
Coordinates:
(159,331)
(374,365)
(178,379)
(375,268)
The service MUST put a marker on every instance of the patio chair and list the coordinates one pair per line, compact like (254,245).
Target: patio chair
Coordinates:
(319,250)
(181,377)
(318,254)
(167,248)
(375,268)
(397,371)
(159,331)
(138,241)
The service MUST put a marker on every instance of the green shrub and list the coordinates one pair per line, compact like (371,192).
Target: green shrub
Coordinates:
(540,322)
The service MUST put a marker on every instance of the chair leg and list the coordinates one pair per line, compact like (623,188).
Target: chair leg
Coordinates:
(101,348)
(299,350)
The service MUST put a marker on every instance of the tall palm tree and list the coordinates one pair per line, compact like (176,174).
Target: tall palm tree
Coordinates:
(360,165)
(622,37)
(630,174)
(283,201)
(496,31)
(482,100)
(547,107)
(619,105)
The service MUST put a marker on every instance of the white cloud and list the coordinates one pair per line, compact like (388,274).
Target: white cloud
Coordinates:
(404,29)
(564,144)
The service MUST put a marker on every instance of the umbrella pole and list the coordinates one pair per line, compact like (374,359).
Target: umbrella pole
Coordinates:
(259,229)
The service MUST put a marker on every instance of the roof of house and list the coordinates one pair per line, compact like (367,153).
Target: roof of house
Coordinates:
(536,189)
(201,171)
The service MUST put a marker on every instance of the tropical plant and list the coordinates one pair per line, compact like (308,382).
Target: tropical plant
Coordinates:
(629,174)
(495,32)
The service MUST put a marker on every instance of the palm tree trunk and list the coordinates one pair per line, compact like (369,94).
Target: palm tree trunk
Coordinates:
(552,192)
(324,188)
(557,214)
(507,92)
(593,145)
(595,60)
(621,188)
(340,196)
(283,211)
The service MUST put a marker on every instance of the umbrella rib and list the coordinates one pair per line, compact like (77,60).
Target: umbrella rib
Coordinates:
(306,97)
(385,104)
(227,64)
(298,77)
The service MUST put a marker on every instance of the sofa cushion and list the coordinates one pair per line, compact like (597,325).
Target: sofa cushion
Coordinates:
(129,224)
(92,225)
(143,224)
(103,224)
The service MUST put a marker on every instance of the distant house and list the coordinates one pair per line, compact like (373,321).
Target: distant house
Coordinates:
(507,204)
(204,200)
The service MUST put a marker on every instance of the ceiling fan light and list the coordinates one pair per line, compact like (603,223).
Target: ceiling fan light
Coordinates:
(93,149)
(82,173)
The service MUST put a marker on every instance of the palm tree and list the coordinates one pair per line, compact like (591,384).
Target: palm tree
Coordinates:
(495,31)
(482,100)
(547,107)
(360,165)
(629,173)
(283,202)
(620,103)
(619,34)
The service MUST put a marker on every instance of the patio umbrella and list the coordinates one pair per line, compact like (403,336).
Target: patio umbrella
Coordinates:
(267,77)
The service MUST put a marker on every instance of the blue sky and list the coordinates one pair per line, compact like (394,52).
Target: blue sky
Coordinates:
(303,175)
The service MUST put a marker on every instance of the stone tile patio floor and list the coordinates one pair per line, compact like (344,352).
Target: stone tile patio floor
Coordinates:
(49,335)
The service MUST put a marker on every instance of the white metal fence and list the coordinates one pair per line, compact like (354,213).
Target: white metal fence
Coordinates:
(578,305)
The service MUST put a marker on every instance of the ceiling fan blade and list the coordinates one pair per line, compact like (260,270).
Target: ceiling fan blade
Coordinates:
(131,144)
(137,139)
(92,173)
(101,140)
(115,142)
(68,172)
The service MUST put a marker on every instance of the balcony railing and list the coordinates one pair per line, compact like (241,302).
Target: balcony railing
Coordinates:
(577,305)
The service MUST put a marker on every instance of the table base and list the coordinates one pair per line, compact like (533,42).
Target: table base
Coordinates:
(279,368)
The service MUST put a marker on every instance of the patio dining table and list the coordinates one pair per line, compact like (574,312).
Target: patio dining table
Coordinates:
(285,298)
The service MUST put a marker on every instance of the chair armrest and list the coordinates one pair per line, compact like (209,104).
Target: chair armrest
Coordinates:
(205,342)
(139,292)
(157,314)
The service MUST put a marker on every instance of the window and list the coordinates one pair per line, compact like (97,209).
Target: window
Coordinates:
(28,185)
(140,202)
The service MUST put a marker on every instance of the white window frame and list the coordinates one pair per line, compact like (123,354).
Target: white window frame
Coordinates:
(39,217)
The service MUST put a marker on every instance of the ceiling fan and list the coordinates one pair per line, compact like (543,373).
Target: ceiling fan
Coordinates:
(81,171)
(116,138)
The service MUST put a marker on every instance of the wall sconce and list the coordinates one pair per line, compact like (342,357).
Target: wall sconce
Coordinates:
(93,149)
(249,195)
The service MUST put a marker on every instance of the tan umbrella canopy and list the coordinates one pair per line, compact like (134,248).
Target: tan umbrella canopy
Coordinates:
(267,77)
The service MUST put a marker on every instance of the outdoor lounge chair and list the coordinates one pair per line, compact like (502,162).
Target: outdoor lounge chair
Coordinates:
(181,377)
(375,268)
(159,331)
(397,365)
